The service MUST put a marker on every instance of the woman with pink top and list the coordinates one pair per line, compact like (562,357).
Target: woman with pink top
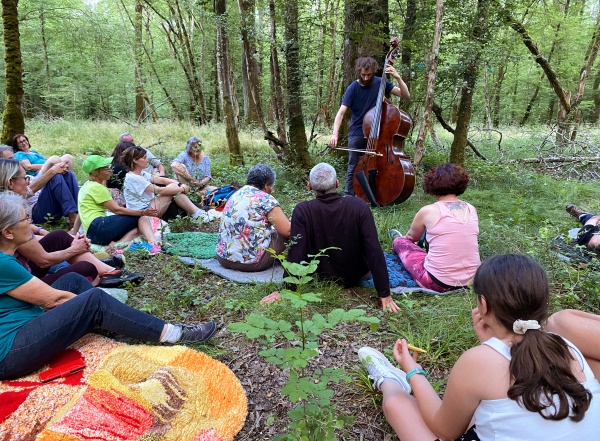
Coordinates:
(451,227)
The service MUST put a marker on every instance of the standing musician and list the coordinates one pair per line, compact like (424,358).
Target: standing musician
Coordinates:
(360,97)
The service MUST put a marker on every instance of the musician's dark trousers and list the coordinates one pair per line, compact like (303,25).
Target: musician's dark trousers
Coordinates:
(354,142)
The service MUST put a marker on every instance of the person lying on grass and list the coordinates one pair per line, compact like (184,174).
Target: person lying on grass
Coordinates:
(39,321)
(521,382)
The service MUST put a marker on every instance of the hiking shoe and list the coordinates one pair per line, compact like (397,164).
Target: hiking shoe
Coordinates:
(140,246)
(197,333)
(117,261)
(574,210)
(118,277)
(380,369)
(156,249)
(394,234)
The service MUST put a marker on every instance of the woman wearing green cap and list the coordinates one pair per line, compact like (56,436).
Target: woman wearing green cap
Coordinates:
(95,200)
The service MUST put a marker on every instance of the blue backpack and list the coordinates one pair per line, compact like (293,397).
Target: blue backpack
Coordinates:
(219,196)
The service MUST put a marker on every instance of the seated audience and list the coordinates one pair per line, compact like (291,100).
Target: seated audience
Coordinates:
(331,220)
(451,228)
(119,171)
(192,167)
(520,383)
(143,190)
(251,222)
(95,200)
(39,320)
(589,234)
(53,247)
(6,152)
(55,194)
(155,166)
(581,328)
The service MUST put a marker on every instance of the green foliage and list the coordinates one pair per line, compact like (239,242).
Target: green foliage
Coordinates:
(295,347)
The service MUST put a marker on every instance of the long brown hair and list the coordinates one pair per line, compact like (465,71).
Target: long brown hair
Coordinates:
(516,287)
(131,154)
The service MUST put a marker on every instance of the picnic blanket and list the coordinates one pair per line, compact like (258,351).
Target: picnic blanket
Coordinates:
(191,244)
(274,274)
(126,393)
(400,279)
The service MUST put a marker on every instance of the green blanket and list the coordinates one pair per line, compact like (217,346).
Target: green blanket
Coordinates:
(197,245)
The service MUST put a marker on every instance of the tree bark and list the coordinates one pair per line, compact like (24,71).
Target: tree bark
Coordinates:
(596,98)
(459,143)
(432,61)
(252,100)
(226,86)
(12,118)
(366,34)
(298,150)
(276,87)
(47,99)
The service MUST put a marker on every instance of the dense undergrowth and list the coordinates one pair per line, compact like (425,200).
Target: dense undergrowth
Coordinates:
(520,207)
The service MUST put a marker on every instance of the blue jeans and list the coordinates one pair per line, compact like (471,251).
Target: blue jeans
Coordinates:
(354,142)
(104,230)
(55,330)
(57,198)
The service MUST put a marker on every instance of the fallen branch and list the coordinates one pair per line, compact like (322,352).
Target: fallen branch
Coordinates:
(555,159)
(438,114)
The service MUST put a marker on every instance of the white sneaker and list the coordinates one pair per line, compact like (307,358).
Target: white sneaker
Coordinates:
(201,217)
(380,369)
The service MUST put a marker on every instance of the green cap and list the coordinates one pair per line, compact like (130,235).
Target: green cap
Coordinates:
(94,162)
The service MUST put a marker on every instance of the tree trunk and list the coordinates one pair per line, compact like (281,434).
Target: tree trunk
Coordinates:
(367,31)
(552,49)
(226,86)
(298,150)
(47,99)
(459,143)
(596,98)
(497,94)
(432,61)
(276,87)
(140,113)
(250,77)
(408,35)
(12,118)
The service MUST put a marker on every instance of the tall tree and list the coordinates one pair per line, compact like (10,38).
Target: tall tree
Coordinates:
(250,74)
(366,33)
(225,81)
(471,71)
(276,84)
(298,151)
(432,61)
(12,118)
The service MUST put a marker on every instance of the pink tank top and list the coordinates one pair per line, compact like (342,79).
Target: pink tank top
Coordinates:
(453,255)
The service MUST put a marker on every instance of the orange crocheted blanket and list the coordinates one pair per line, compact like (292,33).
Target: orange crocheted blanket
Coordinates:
(126,393)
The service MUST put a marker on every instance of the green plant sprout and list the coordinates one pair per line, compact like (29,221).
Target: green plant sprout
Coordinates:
(294,346)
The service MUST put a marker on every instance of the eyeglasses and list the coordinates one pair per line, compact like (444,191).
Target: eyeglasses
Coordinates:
(22,141)
(26,178)
(27,218)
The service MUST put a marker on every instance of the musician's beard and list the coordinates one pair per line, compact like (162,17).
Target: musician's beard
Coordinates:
(370,80)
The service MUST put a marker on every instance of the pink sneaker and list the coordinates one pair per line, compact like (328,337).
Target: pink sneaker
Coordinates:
(156,249)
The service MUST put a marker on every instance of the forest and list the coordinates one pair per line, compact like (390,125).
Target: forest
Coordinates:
(508,89)
(282,65)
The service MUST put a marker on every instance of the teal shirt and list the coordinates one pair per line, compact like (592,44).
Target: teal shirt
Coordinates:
(33,157)
(14,313)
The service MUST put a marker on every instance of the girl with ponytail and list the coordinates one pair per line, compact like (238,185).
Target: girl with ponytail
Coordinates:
(521,383)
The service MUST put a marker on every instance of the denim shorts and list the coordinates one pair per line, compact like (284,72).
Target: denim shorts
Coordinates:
(470,435)
(105,229)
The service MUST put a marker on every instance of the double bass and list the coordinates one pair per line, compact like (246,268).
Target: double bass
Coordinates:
(384,174)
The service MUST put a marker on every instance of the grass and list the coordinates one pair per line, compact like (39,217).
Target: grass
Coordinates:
(520,207)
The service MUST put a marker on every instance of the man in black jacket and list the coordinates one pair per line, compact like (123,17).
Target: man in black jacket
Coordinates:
(347,223)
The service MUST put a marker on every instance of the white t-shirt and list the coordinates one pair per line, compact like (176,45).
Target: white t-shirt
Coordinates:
(134,188)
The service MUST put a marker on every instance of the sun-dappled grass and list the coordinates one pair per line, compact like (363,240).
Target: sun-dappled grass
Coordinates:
(520,208)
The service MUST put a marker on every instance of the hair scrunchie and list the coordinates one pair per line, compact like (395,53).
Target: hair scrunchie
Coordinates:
(521,326)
